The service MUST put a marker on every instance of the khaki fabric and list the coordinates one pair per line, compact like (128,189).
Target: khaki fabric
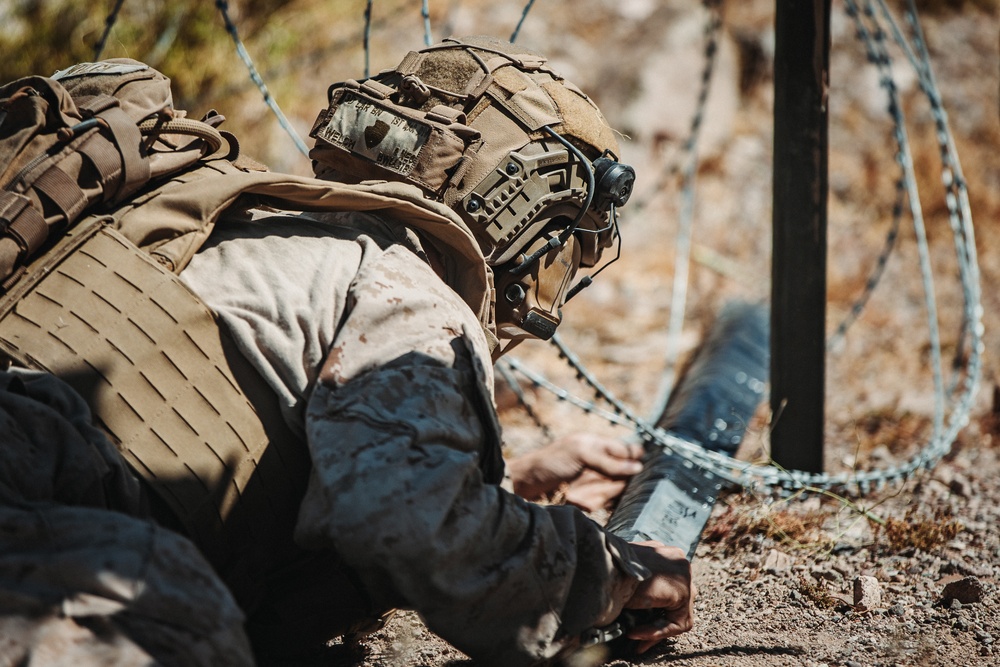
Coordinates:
(172,222)
(161,378)
(92,134)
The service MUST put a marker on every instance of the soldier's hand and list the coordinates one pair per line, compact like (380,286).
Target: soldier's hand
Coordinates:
(669,591)
(590,469)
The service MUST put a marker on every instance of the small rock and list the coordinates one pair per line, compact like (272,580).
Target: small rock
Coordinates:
(776,562)
(822,574)
(955,604)
(984,637)
(867,593)
(844,570)
(961,486)
(960,624)
(967,591)
(897,610)
(851,663)
(881,453)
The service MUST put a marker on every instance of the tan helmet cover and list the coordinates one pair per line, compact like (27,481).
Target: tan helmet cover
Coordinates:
(464,121)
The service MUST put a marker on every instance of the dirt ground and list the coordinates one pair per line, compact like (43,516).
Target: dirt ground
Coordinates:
(776,576)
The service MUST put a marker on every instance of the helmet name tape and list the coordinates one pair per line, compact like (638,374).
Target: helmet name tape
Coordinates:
(362,136)
(386,138)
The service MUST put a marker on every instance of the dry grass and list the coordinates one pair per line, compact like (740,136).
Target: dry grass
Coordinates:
(918,530)
(898,431)
(818,593)
(738,527)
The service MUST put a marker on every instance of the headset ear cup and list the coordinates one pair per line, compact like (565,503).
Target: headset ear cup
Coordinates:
(614,183)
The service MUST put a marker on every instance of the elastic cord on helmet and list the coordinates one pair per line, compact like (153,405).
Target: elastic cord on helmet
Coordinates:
(587,280)
(564,236)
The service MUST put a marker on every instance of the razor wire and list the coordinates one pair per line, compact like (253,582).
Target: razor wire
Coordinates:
(524,15)
(223,7)
(960,220)
(368,36)
(109,24)
(682,251)
(946,427)
(241,50)
(878,55)
(956,190)
(426,14)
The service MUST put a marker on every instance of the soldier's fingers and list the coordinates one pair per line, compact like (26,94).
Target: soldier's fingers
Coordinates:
(661,629)
(614,459)
(593,493)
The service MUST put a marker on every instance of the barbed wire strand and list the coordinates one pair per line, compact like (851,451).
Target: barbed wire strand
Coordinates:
(753,476)
(223,7)
(682,249)
(878,54)
(367,37)
(956,200)
(874,277)
(510,379)
(425,12)
(524,15)
(956,191)
(109,23)
(880,59)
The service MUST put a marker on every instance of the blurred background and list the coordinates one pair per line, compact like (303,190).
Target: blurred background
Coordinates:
(642,61)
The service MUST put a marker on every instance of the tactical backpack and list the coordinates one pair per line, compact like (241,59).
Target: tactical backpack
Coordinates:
(87,138)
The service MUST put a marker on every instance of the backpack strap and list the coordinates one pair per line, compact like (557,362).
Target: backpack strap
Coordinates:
(126,140)
(90,136)
(173,221)
(22,227)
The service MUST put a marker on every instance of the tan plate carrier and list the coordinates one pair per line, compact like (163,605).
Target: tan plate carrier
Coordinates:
(149,358)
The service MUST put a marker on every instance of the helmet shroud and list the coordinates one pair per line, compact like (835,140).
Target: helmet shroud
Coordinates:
(487,128)
(463,120)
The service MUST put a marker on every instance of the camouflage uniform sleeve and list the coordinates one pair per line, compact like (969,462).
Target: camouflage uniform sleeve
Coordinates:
(397,489)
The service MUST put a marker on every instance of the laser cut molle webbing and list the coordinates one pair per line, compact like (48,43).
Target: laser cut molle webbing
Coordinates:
(147,356)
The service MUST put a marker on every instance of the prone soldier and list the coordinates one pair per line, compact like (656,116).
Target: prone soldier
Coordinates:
(297,434)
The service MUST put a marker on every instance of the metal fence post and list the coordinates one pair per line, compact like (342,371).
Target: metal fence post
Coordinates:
(798,263)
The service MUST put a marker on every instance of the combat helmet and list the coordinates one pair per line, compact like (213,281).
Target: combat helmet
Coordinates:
(524,157)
